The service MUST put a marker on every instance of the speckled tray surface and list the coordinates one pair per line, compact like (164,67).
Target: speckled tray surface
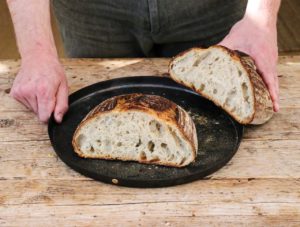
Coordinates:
(219,135)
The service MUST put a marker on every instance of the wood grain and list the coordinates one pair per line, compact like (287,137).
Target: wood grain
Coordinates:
(272,201)
(260,186)
(271,159)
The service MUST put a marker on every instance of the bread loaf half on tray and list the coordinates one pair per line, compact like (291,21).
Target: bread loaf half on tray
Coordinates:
(138,127)
(227,79)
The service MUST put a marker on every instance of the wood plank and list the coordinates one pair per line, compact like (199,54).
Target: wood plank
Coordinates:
(81,73)
(264,159)
(24,126)
(79,217)
(149,215)
(19,125)
(254,159)
(259,186)
(284,125)
(272,201)
(66,192)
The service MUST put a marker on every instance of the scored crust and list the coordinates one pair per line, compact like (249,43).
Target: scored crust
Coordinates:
(157,106)
(263,108)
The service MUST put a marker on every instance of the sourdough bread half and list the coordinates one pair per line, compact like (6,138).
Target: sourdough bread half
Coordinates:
(226,78)
(138,127)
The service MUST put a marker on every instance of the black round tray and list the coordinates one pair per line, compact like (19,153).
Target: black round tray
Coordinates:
(219,135)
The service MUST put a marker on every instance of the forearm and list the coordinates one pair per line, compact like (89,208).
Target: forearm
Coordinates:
(31,19)
(263,12)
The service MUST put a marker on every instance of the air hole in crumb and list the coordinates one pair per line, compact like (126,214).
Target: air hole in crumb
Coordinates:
(139,143)
(171,157)
(215,91)
(92,149)
(127,132)
(202,86)
(119,144)
(217,59)
(182,161)
(154,126)
(158,126)
(226,102)
(163,145)
(245,91)
(143,156)
(151,146)
(247,99)
(81,139)
(240,72)
(175,136)
(99,142)
(197,62)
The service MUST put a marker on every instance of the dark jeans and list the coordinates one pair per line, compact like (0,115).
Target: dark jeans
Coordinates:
(138,28)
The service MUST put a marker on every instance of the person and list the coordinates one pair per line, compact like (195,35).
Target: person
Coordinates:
(133,28)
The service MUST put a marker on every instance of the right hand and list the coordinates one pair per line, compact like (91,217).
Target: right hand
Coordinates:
(260,42)
(41,85)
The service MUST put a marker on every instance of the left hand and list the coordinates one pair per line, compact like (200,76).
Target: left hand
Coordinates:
(260,42)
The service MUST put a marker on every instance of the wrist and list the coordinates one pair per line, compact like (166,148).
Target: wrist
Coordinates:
(261,21)
(38,52)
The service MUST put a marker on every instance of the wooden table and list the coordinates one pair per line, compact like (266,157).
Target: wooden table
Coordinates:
(259,187)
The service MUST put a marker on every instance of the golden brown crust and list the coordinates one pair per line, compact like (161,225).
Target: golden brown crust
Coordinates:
(262,101)
(157,106)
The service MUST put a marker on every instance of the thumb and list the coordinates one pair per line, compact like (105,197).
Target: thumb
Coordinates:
(225,42)
(61,106)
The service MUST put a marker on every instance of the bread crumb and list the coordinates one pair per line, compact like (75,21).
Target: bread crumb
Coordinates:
(115,181)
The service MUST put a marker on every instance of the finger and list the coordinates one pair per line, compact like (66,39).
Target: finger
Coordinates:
(269,78)
(61,106)
(21,100)
(224,43)
(272,89)
(45,106)
(227,43)
(33,103)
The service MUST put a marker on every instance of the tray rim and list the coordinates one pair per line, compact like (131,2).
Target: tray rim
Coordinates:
(81,93)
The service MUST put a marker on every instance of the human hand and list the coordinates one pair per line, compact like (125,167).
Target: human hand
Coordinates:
(41,85)
(259,40)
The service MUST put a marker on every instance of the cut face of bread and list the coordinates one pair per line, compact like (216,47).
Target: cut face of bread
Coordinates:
(136,127)
(226,79)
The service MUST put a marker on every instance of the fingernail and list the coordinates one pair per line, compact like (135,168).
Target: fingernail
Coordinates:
(59,118)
